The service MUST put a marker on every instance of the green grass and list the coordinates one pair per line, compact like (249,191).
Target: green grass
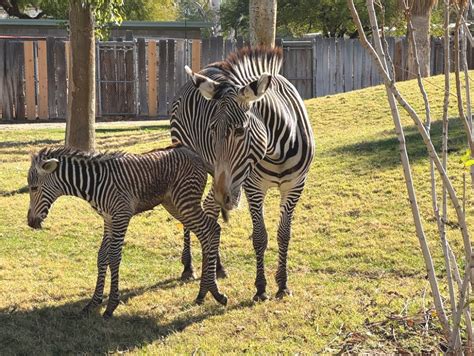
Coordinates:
(356,270)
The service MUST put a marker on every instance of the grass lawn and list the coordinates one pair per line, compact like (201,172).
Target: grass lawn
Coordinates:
(355,265)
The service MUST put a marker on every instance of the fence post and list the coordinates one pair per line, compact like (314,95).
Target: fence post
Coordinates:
(30,80)
(51,65)
(152,98)
(196,56)
(43,80)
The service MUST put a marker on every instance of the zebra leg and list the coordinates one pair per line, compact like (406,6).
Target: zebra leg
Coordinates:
(186,258)
(207,231)
(120,225)
(212,209)
(255,197)
(288,203)
(102,263)
(209,237)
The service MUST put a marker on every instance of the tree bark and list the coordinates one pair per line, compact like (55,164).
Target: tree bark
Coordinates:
(262,21)
(80,132)
(421,24)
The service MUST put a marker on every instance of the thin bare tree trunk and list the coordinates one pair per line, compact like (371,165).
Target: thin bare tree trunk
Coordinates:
(80,133)
(262,21)
(434,197)
(383,67)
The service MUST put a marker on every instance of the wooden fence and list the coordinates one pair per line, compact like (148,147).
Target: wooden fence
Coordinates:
(140,78)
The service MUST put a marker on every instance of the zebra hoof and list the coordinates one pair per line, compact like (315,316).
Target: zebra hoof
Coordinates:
(221,273)
(286,292)
(107,314)
(90,308)
(260,297)
(222,299)
(188,275)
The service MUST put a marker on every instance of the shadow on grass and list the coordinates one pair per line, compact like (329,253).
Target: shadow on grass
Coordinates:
(63,329)
(110,142)
(163,127)
(19,143)
(384,153)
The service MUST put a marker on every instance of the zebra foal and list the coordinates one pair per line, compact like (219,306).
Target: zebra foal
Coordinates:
(119,186)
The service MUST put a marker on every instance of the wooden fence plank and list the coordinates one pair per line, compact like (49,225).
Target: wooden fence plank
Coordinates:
(19,78)
(30,81)
(6,54)
(363,69)
(61,79)
(121,87)
(2,76)
(319,66)
(228,47)
(152,93)
(180,62)
(357,64)
(142,92)
(52,111)
(196,56)
(162,105)
(220,49)
(130,95)
(339,84)
(348,65)
(331,66)
(205,52)
(43,80)
(170,75)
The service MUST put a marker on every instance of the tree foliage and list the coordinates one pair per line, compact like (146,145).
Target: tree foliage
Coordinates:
(296,17)
(105,11)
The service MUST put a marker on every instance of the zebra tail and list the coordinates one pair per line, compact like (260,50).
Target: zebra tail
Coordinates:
(225,215)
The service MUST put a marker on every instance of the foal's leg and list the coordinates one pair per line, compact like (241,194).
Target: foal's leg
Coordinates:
(212,209)
(207,231)
(120,225)
(102,263)
(186,258)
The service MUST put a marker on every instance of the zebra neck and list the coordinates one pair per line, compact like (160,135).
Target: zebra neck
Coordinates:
(82,177)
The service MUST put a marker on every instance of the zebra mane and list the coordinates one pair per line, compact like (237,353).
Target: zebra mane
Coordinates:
(59,152)
(246,65)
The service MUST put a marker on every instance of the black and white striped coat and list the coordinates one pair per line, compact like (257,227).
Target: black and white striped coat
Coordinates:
(119,186)
(250,126)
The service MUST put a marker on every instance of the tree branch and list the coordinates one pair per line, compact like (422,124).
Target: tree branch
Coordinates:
(12,9)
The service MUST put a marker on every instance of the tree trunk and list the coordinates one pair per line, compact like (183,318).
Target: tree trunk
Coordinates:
(421,23)
(80,133)
(262,18)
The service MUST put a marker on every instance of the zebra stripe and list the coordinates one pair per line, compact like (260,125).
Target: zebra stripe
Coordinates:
(119,186)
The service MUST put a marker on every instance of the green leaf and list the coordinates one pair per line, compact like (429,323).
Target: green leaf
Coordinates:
(466,156)
(469,163)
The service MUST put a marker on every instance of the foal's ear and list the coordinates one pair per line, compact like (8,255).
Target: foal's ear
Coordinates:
(207,87)
(257,89)
(47,166)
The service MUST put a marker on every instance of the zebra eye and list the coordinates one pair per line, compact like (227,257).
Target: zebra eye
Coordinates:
(34,188)
(239,131)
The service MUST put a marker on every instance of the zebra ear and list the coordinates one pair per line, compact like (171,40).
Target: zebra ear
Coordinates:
(207,87)
(47,166)
(255,90)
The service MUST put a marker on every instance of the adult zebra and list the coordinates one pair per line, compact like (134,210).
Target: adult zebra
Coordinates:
(251,127)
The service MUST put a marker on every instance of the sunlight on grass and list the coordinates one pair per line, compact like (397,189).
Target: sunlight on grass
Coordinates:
(354,259)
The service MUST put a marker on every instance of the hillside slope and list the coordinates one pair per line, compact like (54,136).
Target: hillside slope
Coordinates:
(355,266)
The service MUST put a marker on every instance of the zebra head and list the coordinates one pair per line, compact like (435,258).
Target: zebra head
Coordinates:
(43,189)
(239,137)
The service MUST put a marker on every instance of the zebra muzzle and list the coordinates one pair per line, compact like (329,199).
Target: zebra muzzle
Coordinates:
(34,221)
